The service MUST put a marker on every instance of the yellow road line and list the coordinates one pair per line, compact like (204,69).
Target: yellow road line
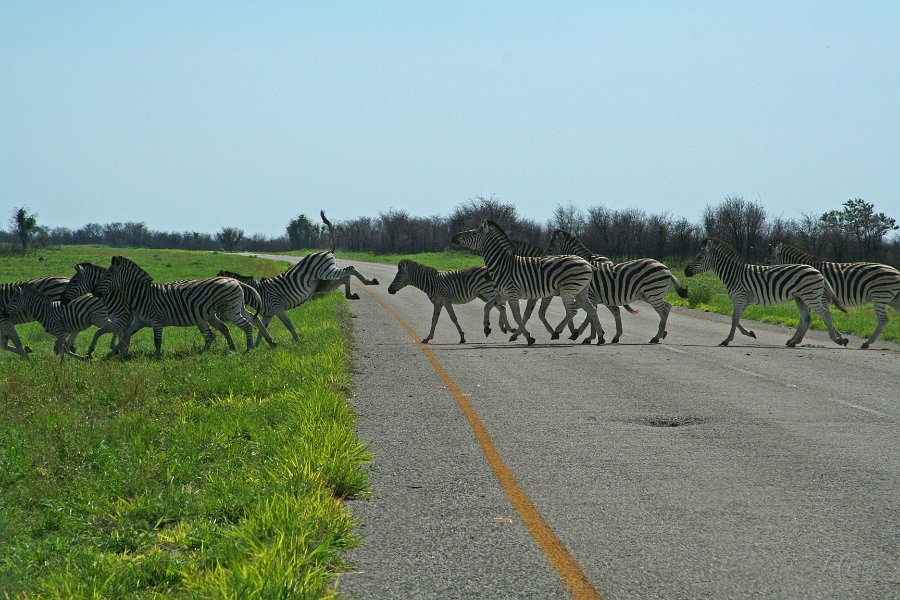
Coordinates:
(556,552)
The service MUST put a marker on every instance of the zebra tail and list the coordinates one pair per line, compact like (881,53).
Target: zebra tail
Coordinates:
(330,228)
(679,289)
(633,311)
(254,294)
(834,299)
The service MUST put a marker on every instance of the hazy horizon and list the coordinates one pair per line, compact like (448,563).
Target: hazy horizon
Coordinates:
(195,117)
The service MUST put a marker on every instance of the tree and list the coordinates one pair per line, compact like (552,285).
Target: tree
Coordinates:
(302,233)
(740,223)
(859,221)
(23,225)
(230,237)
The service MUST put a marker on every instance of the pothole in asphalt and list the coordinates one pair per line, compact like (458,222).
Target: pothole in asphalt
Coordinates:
(670,421)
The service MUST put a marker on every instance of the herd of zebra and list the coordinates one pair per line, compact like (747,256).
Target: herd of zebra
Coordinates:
(122,299)
(516,270)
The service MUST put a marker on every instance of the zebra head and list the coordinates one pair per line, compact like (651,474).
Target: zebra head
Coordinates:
(401,279)
(485,235)
(86,276)
(563,242)
(123,275)
(702,262)
(27,300)
(775,254)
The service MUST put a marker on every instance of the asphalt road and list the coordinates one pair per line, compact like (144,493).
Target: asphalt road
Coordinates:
(781,478)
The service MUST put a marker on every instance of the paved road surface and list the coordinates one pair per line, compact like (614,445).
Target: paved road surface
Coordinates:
(782,479)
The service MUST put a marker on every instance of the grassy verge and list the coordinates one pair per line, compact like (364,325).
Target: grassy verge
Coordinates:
(707,293)
(199,475)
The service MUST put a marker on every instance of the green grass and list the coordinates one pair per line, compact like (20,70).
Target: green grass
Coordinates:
(707,293)
(204,474)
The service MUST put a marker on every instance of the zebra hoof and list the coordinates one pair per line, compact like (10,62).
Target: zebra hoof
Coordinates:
(790,343)
(374,282)
(27,349)
(844,342)
(462,340)
(864,346)
(555,335)
(426,340)
(353,296)
(586,341)
(615,340)
(487,331)
(530,341)
(724,342)
(751,334)
(654,340)
(600,341)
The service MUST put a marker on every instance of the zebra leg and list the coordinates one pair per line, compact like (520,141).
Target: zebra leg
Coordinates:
(283,317)
(542,315)
(263,330)
(450,311)
(529,308)
(505,327)
(265,320)
(617,315)
(802,326)
(487,311)
(833,333)
(517,315)
(583,301)
(435,314)
(746,331)
(359,276)
(347,293)
(208,336)
(735,321)
(7,333)
(881,317)
(662,308)
(157,340)
(70,343)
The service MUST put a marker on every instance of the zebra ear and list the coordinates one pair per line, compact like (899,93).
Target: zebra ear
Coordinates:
(79,269)
(116,260)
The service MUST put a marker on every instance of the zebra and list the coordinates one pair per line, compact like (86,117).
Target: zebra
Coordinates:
(60,320)
(854,283)
(767,285)
(446,288)
(616,284)
(52,287)
(314,272)
(157,305)
(87,276)
(518,277)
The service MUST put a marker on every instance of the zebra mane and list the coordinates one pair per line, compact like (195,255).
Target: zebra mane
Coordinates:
(787,249)
(120,262)
(572,239)
(29,289)
(504,238)
(415,266)
(238,276)
(90,265)
(724,247)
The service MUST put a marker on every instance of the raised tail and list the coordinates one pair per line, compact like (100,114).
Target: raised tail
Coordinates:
(833,297)
(330,228)
(679,289)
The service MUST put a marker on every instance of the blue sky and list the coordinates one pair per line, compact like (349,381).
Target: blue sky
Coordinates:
(195,115)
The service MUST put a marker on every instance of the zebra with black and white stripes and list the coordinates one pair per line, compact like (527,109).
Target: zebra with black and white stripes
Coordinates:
(184,304)
(60,320)
(519,277)
(313,273)
(52,287)
(767,285)
(854,283)
(617,284)
(446,288)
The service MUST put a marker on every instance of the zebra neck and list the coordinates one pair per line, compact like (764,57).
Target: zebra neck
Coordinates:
(497,255)
(729,270)
(423,277)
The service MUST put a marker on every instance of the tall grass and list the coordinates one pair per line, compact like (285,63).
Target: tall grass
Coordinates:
(204,474)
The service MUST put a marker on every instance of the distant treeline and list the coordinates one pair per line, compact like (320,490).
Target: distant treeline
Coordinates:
(853,231)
